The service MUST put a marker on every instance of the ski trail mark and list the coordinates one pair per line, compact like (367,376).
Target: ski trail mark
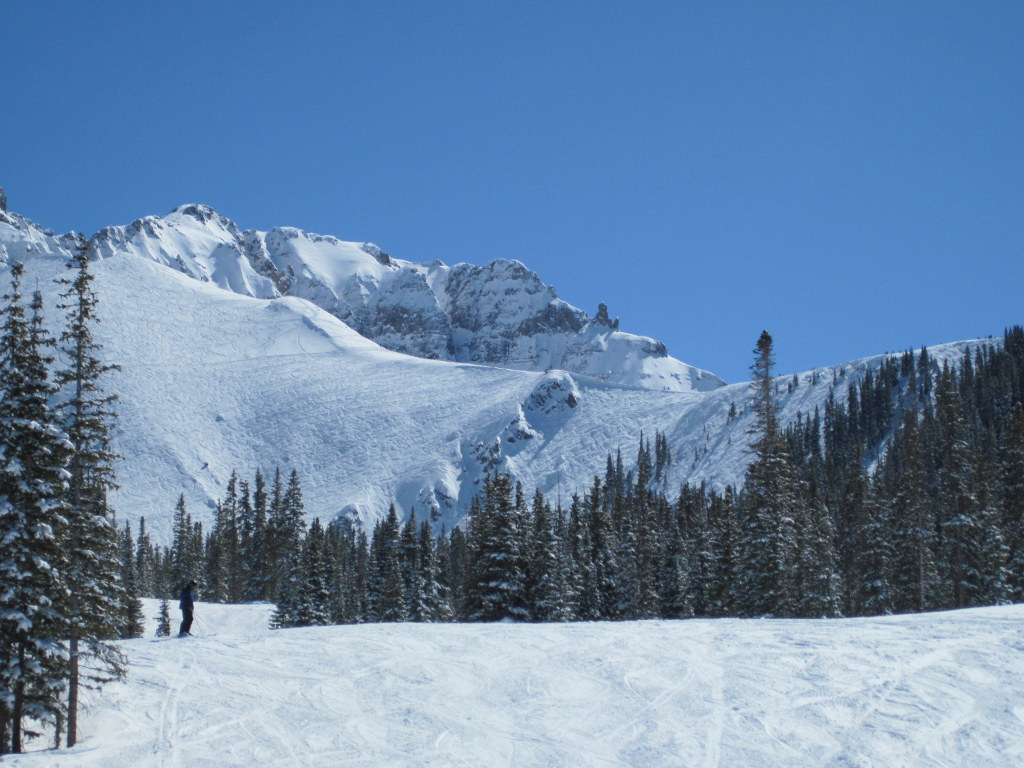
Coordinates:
(168,741)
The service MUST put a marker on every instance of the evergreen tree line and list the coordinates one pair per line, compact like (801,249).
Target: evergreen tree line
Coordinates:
(905,495)
(246,555)
(62,602)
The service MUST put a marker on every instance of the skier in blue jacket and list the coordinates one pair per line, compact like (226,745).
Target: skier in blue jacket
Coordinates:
(186,602)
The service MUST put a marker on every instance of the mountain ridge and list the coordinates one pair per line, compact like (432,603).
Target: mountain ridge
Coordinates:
(214,381)
(500,313)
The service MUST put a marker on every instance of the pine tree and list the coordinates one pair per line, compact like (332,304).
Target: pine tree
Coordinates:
(289,602)
(253,543)
(276,545)
(916,583)
(959,508)
(384,559)
(130,622)
(286,527)
(96,595)
(433,601)
(816,571)
(163,622)
(314,590)
(408,559)
(145,565)
(498,574)
(184,567)
(392,604)
(1012,499)
(33,457)
(767,540)
(546,579)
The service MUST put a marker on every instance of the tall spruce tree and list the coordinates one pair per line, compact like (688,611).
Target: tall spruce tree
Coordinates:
(253,542)
(767,536)
(131,622)
(498,572)
(547,585)
(33,511)
(916,583)
(96,595)
(184,566)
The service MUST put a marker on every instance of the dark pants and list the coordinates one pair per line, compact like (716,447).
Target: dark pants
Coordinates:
(186,621)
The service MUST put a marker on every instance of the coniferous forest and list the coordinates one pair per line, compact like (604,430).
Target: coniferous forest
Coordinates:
(906,495)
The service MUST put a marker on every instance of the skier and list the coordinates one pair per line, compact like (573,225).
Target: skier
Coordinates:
(187,603)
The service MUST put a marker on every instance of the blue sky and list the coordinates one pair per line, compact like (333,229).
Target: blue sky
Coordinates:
(849,176)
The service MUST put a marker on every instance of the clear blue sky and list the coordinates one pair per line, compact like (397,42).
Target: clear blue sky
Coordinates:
(849,175)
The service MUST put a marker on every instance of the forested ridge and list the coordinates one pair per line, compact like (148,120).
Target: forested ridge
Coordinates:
(905,495)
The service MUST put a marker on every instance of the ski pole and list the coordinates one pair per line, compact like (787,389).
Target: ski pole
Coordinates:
(201,626)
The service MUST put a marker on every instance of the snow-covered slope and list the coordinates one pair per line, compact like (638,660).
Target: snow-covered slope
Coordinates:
(213,380)
(938,690)
(498,314)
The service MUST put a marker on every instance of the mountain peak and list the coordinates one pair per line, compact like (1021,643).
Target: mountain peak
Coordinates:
(499,314)
(201,213)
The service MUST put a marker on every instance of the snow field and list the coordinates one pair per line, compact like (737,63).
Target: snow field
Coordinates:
(925,690)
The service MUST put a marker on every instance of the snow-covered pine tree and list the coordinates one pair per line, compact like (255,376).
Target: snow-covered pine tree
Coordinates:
(131,622)
(33,457)
(679,580)
(959,506)
(277,554)
(433,598)
(145,562)
(184,567)
(547,585)
(383,560)
(214,567)
(286,526)
(600,579)
(163,622)
(818,583)
(767,542)
(453,560)
(314,590)
(408,558)
(916,581)
(871,581)
(723,533)
(96,595)
(252,542)
(1011,499)
(625,573)
(392,603)
(289,601)
(349,555)
(497,575)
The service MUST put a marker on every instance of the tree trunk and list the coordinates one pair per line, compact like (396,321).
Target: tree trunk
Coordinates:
(73,691)
(19,702)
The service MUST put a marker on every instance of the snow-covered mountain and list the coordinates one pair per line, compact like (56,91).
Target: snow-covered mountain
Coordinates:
(237,351)
(497,314)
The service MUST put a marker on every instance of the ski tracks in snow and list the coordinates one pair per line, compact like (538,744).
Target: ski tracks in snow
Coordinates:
(933,691)
(168,736)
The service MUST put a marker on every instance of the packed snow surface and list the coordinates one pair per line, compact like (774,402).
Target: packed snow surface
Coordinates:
(937,689)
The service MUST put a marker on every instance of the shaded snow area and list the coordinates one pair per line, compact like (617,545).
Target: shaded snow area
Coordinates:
(925,690)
